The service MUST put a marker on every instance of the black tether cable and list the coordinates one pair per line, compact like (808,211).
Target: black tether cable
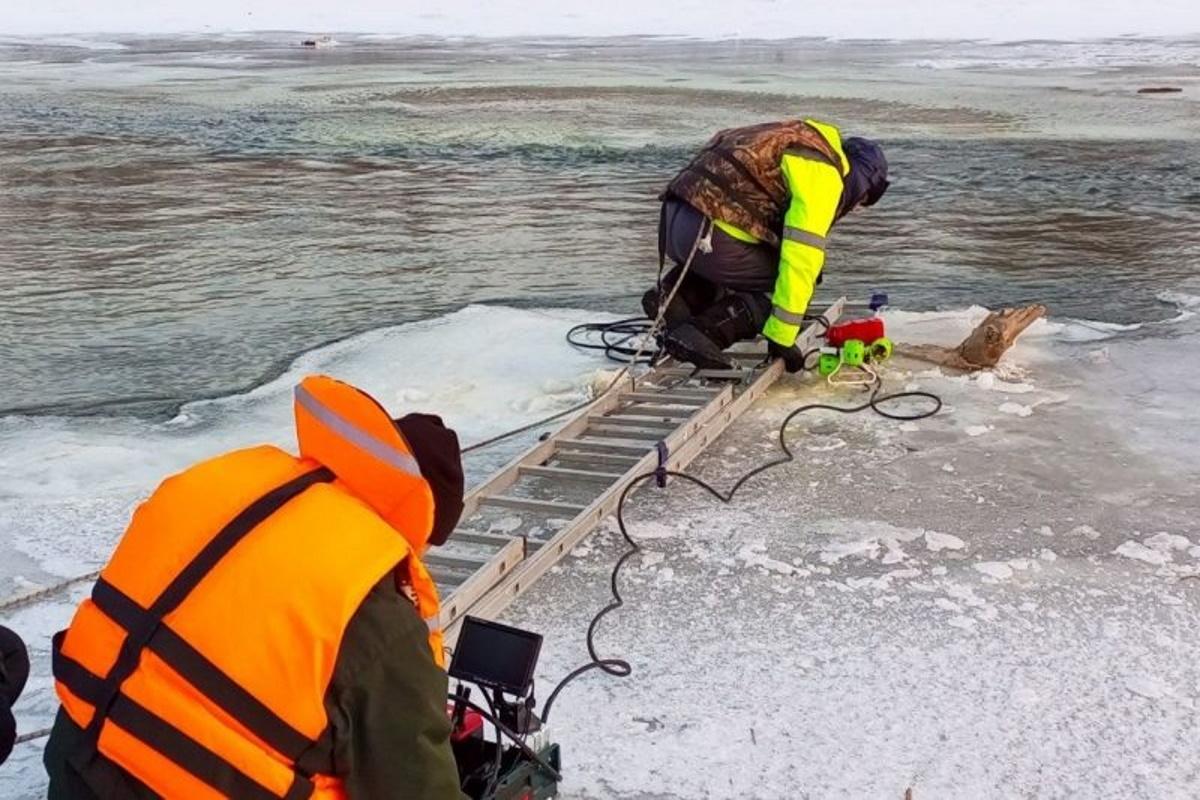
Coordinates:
(618,340)
(621,668)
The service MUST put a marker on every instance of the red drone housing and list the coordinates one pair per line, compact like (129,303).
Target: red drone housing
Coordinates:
(865,330)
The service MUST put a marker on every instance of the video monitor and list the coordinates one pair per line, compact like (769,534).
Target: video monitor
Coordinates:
(495,656)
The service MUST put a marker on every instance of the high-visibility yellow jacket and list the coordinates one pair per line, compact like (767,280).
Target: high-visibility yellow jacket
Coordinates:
(778,183)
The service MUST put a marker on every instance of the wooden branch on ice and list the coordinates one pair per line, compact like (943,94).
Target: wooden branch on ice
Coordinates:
(985,345)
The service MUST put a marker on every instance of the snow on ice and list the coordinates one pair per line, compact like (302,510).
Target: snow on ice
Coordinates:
(945,667)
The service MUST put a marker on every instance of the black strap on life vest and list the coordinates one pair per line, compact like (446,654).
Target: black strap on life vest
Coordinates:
(146,630)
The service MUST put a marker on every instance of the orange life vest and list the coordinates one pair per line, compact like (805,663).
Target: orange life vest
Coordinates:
(200,662)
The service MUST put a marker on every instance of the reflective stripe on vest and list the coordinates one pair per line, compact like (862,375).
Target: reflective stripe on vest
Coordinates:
(146,630)
(347,430)
(355,435)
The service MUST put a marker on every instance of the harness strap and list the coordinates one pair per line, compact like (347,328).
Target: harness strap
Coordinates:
(202,674)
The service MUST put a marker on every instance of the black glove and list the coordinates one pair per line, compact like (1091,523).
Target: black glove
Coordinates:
(793,359)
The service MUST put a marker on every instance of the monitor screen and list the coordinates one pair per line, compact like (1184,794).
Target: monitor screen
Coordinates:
(496,656)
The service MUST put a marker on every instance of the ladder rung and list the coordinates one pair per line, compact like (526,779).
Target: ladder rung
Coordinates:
(698,392)
(719,374)
(446,579)
(658,411)
(665,398)
(529,504)
(637,421)
(559,473)
(455,561)
(625,433)
(479,537)
(593,460)
(602,447)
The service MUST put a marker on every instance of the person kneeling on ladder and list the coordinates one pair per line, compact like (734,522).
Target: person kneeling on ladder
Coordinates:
(266,628)
(750,215)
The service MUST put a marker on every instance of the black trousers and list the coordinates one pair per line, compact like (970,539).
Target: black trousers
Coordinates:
(732,265)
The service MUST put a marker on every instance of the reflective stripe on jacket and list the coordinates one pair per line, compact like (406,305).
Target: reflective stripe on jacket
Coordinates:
(201,661)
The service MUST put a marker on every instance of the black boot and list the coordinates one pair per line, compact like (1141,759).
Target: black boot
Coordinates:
(702,339)
(687,343)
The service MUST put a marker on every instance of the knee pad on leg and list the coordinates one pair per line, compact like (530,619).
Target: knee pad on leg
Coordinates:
(758,307)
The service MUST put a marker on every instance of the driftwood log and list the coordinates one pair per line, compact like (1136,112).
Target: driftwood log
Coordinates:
(984,346)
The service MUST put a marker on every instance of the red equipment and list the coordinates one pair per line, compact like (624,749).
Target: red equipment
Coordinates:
(468,727)
(866,330)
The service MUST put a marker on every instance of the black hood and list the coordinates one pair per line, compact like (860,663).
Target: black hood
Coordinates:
(438,455)
(867,180)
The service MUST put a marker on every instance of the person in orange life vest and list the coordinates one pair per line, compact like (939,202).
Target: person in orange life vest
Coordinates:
(266,628)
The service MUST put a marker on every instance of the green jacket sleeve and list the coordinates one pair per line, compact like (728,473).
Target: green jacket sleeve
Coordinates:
(387,705)
(815,188)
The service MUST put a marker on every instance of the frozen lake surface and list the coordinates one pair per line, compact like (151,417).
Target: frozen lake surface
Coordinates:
(997,602)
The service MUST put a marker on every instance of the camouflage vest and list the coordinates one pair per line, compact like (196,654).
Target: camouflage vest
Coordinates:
(736,177)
